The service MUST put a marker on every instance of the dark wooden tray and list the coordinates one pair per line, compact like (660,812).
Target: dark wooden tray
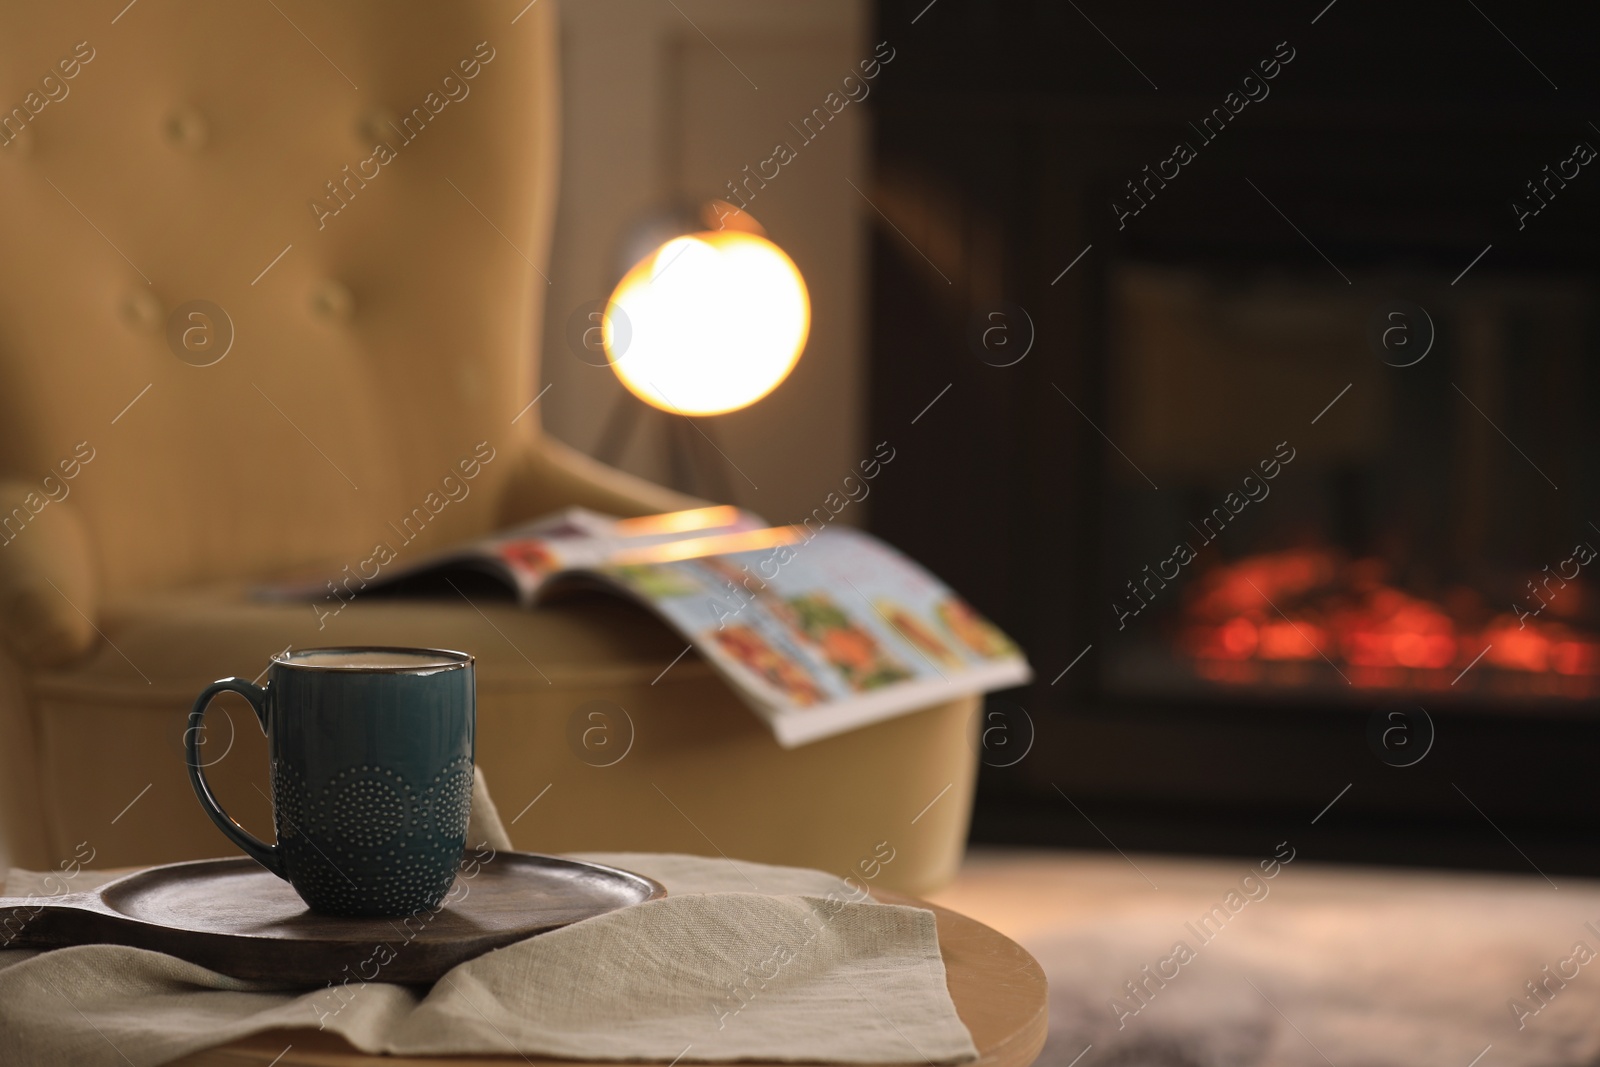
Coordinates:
(233,917)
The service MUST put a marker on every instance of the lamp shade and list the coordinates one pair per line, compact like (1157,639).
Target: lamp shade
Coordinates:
(715,320)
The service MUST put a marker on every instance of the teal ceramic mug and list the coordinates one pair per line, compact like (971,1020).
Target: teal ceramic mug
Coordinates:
(371,754)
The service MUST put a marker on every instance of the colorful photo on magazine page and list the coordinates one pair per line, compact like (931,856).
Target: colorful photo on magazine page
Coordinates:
(819,621)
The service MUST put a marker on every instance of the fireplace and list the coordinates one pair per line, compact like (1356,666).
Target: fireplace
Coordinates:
(1398,542)
(1297,472)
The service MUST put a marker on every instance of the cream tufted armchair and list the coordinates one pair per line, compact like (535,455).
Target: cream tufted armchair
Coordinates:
(364,341)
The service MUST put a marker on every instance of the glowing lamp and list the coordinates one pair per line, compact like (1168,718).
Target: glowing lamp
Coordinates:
(707,322)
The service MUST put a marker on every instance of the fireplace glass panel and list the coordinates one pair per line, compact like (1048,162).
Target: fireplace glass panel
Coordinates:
(1362,494)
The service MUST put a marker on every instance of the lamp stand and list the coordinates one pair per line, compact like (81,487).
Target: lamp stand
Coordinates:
(684,460)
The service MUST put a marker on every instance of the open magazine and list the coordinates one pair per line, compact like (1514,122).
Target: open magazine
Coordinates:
(819,632)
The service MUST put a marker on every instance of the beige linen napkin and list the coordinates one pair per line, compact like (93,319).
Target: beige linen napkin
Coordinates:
(741,961)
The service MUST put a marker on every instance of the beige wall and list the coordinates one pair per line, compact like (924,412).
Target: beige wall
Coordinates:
(655,113)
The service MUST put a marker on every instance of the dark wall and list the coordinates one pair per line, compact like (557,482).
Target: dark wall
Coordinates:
(1397,139)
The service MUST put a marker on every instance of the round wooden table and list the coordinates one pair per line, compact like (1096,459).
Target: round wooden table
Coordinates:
(998,990)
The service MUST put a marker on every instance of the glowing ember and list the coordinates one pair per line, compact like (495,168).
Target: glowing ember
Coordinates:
(1312,605)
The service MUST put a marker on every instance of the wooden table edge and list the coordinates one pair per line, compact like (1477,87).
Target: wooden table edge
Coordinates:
(998,989)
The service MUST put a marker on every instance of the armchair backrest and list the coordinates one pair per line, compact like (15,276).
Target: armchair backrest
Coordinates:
(363,188)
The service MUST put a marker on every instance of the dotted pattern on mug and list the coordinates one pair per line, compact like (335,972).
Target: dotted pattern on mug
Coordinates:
(288,801)
(371,842)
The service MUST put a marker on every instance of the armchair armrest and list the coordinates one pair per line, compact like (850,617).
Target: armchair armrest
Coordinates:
(47,589)
(548,476)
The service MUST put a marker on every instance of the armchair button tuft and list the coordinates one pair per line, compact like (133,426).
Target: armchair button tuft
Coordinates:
(333,301)
(187,129)
(376,126)
(142,311)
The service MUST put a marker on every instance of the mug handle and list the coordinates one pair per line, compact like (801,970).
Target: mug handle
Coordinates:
(258,850)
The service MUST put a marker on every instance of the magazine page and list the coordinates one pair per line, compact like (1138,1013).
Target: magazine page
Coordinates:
(579,539)
(521,559)
(820,632)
